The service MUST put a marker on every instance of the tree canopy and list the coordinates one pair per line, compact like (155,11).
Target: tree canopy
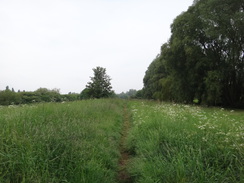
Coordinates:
(128,95)
(203,58)
(99,86)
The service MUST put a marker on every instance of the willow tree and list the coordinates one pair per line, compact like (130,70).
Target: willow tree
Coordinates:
(205,54)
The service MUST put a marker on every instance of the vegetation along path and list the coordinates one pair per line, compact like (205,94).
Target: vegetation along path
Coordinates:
(123,175)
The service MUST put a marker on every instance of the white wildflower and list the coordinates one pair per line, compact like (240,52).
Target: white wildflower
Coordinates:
(204,139)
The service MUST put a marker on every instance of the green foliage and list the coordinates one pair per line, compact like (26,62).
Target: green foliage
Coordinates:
(127,95)
(154,73)
(70,97)
(166,89)
(99,86)
(29,97)
(213,87)
(48,95)
(9,97)
(204,56)
(139,94)
(85,94)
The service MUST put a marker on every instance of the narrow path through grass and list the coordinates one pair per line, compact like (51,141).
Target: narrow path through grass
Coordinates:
(123,175)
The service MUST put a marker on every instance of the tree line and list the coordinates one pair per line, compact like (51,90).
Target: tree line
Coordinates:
(98,87)
(203,60)
(10,97)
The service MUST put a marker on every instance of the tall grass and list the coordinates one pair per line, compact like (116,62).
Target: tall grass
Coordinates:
(181,143)
(79,142)
(69,142)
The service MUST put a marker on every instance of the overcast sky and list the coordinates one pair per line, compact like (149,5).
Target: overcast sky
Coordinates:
(56,43)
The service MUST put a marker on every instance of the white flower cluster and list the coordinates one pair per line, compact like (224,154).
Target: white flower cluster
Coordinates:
(215,125)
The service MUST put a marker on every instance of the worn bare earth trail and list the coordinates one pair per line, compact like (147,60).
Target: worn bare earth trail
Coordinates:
(124,176)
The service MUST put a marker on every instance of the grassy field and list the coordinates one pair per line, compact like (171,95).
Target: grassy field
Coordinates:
(54,142)
(181,143)
(81,142)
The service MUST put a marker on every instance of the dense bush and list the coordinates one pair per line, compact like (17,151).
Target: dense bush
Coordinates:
(10,97)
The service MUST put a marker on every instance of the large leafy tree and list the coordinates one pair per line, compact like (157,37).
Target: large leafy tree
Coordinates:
(204,56)
(224,21)
(152,77)
(156,78)
(99,86)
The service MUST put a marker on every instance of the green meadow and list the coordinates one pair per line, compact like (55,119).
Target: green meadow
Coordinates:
(60,142)
(81,142)
(182,143)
